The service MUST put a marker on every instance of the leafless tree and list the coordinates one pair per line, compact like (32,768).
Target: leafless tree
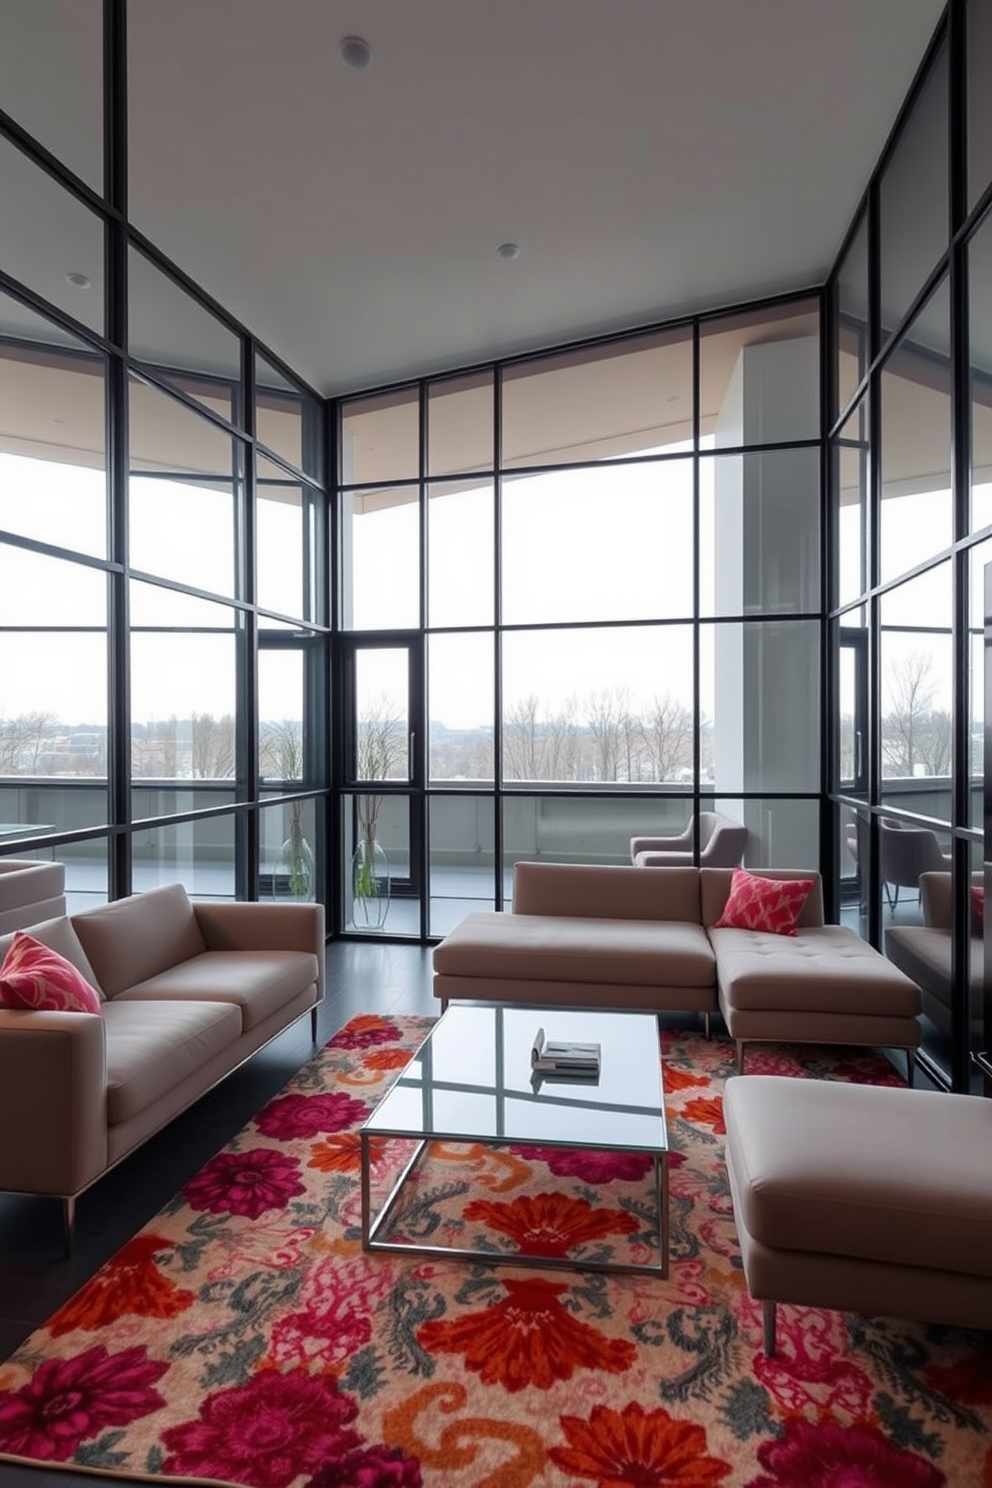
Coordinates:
(916,736)
(280,749)
(668,733)
(609,715)
(380,754)
(212,746)
(22,741)
(558,744)
(521,751)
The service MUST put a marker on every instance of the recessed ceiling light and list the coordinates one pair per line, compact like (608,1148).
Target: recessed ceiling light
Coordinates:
(355,52)
(77,280)
(508,250)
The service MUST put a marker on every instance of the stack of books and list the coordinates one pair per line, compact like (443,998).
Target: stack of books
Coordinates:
(564,1057)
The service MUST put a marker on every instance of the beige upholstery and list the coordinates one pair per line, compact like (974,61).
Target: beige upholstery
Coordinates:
(189,992)
(632,937)
(721,844)
(29,892)
(899,1225)
(924,952)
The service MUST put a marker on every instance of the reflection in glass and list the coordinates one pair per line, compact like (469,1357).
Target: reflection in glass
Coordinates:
(380,567)
(181,481)
(913,199)
(588,544)
(380,437)
(626,398)
(598,705)
(851,459)
(781,834)
(760,376)
(978,557)
(181,340)
(460,424)
(197,854)
(759,546)
(852,317)
(594,830)
(760,706)
(42,221)
(460,706)
(460,546)
(915,659)
(917,513)
(980,356)
(462,858)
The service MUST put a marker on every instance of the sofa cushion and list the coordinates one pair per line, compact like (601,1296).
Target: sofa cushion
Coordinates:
(153,1046)
(769,904)
(557,948)
(877,1173)
(34,976)
(133,939)
(825,968)
(258,983)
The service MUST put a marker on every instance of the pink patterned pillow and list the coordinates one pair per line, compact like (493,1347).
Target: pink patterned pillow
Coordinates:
(35,977)
(770,904)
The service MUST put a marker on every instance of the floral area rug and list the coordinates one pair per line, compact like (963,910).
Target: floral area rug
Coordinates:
(244,1337)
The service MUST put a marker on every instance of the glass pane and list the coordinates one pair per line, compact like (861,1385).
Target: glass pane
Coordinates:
(33,808)
(287,864)
(399,905)
(183,703)
(153,604)
(854,876)
(181,483)
(280,540)
(53,716)
(286,418)
(760,376)
(917,513)
(380,437)
(184,344)
(460,564)
(382,721)
(979,53)
(852,317)
(977,559)
(159,799)
(51,78)
(607,543)
(460,424)
(52,461)
(759,541)
(380,559)
(913,199)
(197,854)
(38,590)
(760,706)
(851,456)
(629,397)
(49,240)
(569,829)
(281,753)
(980,301)
(87,877)
(462,858)
(851,639)
(460,706)
(915,658)
(781,834)
(598,705)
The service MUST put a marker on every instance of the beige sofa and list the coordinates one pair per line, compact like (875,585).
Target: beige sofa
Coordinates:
(188,992)
(30,891)
(924,951)
(630,937)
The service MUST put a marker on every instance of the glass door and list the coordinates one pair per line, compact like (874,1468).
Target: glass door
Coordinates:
(381,714)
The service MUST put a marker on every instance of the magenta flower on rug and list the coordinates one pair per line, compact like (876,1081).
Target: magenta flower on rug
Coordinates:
(365,1031)
(294,1116)
(338,1301)
(830,1456)
(67,1401)
(637,1447)
(371,1467)
(587,1165)
(245,1183)
(264,1433)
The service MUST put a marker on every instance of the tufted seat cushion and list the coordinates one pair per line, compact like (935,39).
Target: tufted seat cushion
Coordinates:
(822,967)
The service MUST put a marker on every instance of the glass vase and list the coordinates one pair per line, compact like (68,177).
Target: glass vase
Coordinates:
(370,885)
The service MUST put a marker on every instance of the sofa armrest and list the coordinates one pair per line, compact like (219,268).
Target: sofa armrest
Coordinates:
(681,844)
(53,1101)
(243,926)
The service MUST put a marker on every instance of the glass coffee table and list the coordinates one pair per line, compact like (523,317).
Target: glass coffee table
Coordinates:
(471,1081)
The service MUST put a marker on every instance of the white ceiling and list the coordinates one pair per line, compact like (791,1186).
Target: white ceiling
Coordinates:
(649,156)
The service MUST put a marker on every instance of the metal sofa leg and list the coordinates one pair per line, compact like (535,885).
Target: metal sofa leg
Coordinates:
(740,1056)
(706,1025)
(68,1223)
(910,1065)
(313,1024)
(768,1325)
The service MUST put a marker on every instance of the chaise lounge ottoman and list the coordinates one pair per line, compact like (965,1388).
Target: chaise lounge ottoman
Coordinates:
(872,1199)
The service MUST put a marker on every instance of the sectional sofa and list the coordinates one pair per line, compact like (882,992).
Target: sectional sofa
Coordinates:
(187,992)
(581,935)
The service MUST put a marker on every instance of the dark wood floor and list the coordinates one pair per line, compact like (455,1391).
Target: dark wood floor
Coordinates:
(36,1277)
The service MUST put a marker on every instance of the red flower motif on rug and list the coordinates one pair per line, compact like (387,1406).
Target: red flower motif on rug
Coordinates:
(245,1183)
(550,1224)
(300,1116)
(528,1338)
(365,1031)
(637,1448)
(707,1110)
(372,1467)
(588,1164)
(130,1283)
(387,1059)
(68,1401)
(831,1456)
(264,1433)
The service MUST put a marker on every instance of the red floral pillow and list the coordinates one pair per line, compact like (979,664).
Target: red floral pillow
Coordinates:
(977,909)
(33,976)
(771,904)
